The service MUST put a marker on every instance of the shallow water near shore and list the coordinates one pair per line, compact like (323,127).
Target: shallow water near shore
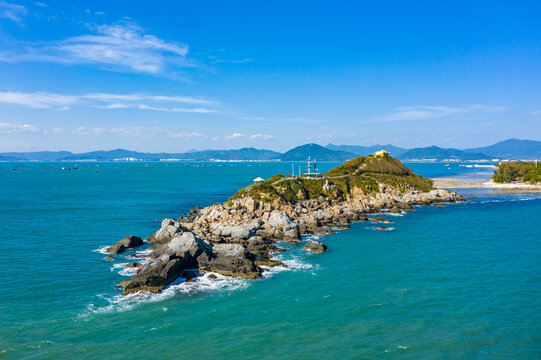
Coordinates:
(461,281)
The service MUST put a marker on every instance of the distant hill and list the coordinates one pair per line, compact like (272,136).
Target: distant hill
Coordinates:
(512,149)
(102,155)
(368,150)
(37,155)
(315,151)
(8,158)
(508,149)
(240,154)
(439,154)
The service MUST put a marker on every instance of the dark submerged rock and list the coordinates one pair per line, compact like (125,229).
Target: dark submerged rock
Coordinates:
(128,242)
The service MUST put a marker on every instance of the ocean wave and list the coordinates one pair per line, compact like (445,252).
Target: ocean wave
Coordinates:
(124,271)
(204,283)
(208,282)
(102,249)
(375,228)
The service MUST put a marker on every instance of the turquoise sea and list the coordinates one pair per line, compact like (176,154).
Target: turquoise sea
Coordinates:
(460,282)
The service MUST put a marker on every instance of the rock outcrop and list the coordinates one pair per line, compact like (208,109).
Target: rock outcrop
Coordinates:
(314,247)
(128,242)
(238,237)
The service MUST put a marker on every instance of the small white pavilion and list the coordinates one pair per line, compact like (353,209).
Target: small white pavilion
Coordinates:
(258,180)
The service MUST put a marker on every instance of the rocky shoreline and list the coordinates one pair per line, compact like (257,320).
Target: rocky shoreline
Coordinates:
(238,238)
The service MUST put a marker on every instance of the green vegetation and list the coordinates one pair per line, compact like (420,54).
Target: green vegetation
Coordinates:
(365,173)
(517,171)
(349,167)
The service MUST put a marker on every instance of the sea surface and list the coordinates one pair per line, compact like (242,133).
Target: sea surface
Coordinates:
(463,281)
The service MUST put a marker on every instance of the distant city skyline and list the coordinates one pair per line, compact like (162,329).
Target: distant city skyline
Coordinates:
(174,76)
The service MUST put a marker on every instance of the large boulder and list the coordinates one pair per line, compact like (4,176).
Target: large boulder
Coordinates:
(156,275)
(228,250)
(320,230)
(233,231)
(279,219)
(323,217)
(314,247)
(167,231)
(236,266)
(187,242)
(128,242)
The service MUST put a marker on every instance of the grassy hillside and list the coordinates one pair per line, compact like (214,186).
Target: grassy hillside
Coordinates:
(365,173)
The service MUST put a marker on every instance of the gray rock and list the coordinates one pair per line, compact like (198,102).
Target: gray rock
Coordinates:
(314,247)
(240,232)
(155,276)
(278,219)
(187,242)
(128,242)
(228,250)
(168,230)
(231,266)
(292,234)
(323,230)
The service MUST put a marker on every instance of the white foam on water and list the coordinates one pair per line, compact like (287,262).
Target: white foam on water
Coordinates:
(102,249)
(143,252)
(390,228)
(123,270)
(205,283)
(402,213)
(402,346)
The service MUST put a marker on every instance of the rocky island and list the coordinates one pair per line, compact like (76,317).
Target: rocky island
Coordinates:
(239,237)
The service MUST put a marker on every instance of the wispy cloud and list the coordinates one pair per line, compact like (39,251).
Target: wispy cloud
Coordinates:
(137,131)
(238,136)
(12,11)
(536,112)
(40,100)
(44,100)
(239,61)
(122,46)
(6,128)
(430,112)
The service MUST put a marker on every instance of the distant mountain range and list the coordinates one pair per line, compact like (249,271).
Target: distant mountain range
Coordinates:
(439,154)
(512,149)
(317,152)
(367,150)
(508,149)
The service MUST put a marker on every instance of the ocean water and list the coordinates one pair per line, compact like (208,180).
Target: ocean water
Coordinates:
(462,281)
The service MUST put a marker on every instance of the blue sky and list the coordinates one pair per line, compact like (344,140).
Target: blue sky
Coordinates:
(179,75)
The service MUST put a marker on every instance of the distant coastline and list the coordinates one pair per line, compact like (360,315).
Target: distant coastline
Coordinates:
(456,183)
(508,150)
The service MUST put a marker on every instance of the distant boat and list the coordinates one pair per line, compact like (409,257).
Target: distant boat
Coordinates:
(447,165)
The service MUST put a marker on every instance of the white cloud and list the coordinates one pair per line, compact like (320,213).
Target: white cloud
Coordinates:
(261,137)
(6,128)
(182,99)
(138,131)
(40,100)
(183,110)
(237,136)
(428,112)
(119,47)
(43,100)
(13,12)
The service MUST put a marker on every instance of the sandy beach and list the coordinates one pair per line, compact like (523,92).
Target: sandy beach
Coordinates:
(457,183)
